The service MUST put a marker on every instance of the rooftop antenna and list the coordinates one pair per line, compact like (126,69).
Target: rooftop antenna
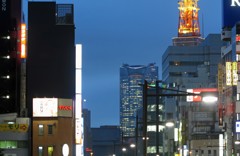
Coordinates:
(202,26)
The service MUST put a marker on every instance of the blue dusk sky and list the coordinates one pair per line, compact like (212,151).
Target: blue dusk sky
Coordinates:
(135,32)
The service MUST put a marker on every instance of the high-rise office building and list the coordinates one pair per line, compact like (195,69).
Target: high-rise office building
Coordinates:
(10,56)
(51,78)
(192,67)
(192,63)
(131,92)
(13,121)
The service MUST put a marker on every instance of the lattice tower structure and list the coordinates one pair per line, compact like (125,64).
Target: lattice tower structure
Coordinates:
(188,18)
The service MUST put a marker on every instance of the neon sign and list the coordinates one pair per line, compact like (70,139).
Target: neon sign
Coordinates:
(23,41)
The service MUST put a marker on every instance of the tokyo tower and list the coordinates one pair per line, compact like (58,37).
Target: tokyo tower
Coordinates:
(188,18)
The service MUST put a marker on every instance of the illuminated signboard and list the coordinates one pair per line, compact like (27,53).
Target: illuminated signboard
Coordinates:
(78,102)
(52,107)
(13,127)
(228,73)
(220,78)
(237,38)
(237,125)
(198,98)
(23,41)
(231,73)
(45,107)
(234,74)
(65,108)
(231,12)
(61,107)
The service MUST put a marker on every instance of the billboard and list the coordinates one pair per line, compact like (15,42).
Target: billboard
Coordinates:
(52,107)
(65,108)
(231,12)
(198,98)
(13,127)
(45,107)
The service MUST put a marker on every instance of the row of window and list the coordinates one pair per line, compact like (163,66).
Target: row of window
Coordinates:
(201,152)
(41,129)
(49,150)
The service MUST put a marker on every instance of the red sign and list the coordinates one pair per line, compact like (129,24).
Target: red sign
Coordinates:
(88,149)
(237,38)
(61,107)
(198,98)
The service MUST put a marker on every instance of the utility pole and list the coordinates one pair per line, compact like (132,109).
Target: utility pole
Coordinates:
(158,93)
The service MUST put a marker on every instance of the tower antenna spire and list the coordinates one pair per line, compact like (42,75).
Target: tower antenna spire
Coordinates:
(188,18)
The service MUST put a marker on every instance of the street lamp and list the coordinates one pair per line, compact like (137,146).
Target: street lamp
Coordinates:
(209,99)
(169,124)
(132,145)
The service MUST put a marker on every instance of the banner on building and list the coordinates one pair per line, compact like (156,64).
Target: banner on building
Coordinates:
(231,73)
(13,127)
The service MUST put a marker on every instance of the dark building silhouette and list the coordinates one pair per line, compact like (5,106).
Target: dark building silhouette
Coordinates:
(106,140)
(87,132)
(51,58)
(10,58)
(51,74)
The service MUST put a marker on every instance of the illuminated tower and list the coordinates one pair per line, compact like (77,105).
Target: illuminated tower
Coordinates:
(188,27)
(188,18)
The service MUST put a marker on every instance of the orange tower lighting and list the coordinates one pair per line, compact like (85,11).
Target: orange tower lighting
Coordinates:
(188,18)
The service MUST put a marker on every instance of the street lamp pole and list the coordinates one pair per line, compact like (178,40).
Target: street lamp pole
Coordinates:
(145,118)
(157,117)
(136,135)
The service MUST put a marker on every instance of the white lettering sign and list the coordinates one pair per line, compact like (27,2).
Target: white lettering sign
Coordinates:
(235,3)
(4,5)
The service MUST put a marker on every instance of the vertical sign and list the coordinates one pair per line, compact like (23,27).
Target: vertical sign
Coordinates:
(78,101)
(231,74)
(23,41)
(221,144)
(220,78)
(228,73)
(234,74)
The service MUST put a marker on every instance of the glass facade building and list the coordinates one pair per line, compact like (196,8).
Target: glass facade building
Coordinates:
(131,92)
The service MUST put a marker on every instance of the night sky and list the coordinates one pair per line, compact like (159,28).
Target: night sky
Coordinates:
(136,32)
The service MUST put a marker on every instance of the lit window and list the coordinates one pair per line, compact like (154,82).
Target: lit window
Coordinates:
(40,151)
(50,150)
(40,130)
